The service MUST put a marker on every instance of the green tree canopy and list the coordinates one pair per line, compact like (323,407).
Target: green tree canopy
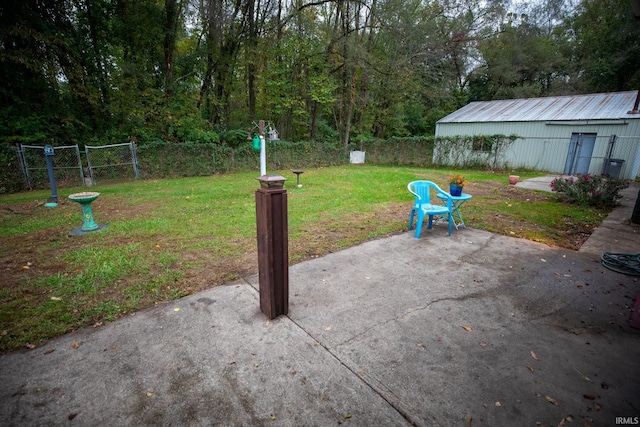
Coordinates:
(334,70)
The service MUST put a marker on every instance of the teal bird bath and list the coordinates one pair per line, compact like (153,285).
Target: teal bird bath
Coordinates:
(89,224)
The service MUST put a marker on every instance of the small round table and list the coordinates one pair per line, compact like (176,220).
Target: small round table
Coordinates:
(456,203)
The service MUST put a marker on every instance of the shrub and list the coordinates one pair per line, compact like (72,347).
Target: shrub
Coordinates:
(599,191)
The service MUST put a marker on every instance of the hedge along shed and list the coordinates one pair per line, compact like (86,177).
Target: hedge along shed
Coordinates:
(577,134)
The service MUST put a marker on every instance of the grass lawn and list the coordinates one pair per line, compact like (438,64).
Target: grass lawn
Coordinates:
(169,238)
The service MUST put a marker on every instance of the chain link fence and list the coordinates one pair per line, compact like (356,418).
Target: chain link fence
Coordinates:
(111,162)
(66,161)
(160,159)
(103,163)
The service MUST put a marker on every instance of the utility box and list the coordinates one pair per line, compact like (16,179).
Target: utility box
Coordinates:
(612,167)
(356,157)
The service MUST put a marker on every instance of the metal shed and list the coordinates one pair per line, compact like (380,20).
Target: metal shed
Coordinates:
(577,134)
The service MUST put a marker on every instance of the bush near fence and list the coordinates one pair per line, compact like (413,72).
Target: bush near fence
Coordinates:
(411,151)
(167,159)
(473,151)
(11,177)
(159,159)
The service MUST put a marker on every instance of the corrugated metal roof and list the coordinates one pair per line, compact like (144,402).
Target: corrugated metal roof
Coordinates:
(598,106)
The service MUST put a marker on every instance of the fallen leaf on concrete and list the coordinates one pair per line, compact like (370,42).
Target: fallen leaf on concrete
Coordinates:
(483,344)
(272,416)
(533,355)
(149,393)
(75,344)
(467,328)
(498,404)
(552,400)
(328,328)
(176,309)
(469,421)
(50,351)
(347,416)
(589,396)
(543,260)
(530,368)
(30,346)
(584,377)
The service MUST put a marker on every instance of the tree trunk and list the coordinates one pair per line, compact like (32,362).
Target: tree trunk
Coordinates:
(252,52)
(173,11)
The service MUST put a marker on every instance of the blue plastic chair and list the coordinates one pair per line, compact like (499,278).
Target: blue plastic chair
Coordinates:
(423,206)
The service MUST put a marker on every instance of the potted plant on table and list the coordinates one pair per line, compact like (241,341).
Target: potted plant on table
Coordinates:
(456,182)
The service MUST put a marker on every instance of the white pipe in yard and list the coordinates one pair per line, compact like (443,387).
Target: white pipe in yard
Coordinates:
(263,156)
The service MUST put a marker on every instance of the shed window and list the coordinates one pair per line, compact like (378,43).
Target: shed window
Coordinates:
(482,144)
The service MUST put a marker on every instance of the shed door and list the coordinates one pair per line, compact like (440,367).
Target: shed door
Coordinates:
(580,151)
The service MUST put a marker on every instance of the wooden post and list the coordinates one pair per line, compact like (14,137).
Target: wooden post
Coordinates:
(273,245)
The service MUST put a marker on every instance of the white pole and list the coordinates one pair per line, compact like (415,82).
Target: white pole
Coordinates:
(263,156)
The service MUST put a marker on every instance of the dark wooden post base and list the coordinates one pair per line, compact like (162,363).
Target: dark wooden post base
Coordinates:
(273,246)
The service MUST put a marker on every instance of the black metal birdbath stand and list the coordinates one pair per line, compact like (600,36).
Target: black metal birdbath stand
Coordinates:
(298,172)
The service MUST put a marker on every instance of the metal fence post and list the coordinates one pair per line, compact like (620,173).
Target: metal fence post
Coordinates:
(23,165)
(49,152)
(134,159)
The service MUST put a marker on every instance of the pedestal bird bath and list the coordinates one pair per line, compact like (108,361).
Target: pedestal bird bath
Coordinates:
(85,199)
